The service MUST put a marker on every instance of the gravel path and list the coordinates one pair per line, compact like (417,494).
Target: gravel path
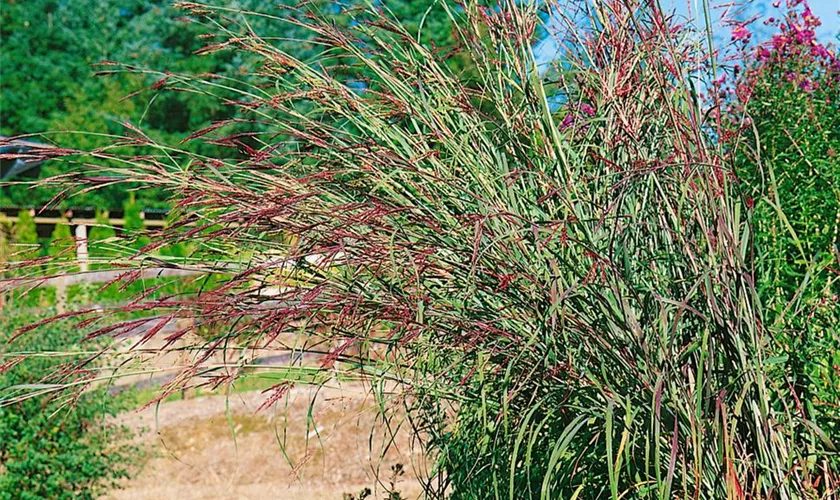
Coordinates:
(327,445)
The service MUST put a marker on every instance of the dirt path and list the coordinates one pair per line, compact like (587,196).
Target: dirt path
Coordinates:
(329,448)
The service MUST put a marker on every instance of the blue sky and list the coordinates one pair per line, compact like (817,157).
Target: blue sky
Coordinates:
(824,9)
(827,11)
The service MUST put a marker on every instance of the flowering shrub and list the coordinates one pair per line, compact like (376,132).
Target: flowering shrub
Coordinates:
(788,91)
(785,117)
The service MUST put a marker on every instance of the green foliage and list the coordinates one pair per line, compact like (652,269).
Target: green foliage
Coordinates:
(102,230)
(132,216)
(51,447)
(799,173)
(6,234)
(102,239)
(133,222)
(47,79)
(6,251)
(561,275)
(62,242)
(177,250)
(52,48)
(787,158)
(25,236)
(561,283)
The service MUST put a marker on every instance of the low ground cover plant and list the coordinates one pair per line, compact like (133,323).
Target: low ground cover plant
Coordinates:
(554,273)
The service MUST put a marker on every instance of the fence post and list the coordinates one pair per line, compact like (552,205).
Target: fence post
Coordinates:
(82,247)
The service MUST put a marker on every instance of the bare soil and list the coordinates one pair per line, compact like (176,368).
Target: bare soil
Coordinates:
(313,444)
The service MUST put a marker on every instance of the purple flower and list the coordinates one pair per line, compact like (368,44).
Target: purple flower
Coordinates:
(779,42)
(803,36)
(810,19)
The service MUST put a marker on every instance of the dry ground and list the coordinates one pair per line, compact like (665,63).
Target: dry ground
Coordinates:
(329,446)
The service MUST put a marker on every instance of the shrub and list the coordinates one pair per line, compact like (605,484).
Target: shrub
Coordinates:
(102,240)
(57,446)
(6,232)
(133,222)
(132,215)
(557,285)
(786,153)
(5,251)
(103,230)
(62,241)
(25,236)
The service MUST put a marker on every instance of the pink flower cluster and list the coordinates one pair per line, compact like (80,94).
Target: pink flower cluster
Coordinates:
(797,34)
(793,58)
(796,42)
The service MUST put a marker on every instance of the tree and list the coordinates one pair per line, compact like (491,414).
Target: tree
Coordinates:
(61,241)
(48,78)
(102,230)
(47,81)
(101,236)
(132,216)
(6,234)
(25,236)
(177,249)
(133,222)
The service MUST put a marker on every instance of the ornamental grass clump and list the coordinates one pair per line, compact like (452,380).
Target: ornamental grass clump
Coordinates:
(564,307)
